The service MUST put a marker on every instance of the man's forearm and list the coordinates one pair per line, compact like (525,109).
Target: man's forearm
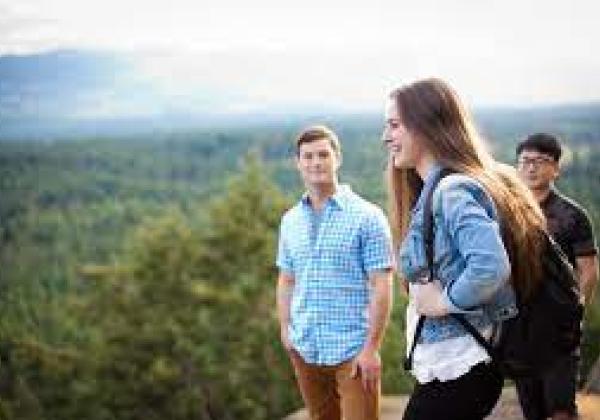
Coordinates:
(285,289)
(587,268)
(379,309)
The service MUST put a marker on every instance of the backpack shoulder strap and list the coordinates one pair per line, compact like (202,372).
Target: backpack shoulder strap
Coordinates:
(428,234)
(428,240)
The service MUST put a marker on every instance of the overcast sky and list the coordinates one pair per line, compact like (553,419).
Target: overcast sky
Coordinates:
(344,53)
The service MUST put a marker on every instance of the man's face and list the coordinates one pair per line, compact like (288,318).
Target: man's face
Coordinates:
(538,170)
(318,163)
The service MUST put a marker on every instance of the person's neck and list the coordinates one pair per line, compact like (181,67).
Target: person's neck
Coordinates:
(319,195)
(424,166)
(541,194)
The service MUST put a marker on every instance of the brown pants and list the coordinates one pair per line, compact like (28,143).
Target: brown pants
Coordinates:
(329,392)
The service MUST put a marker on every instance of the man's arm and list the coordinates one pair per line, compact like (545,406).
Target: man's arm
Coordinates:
(285,289)
(368,361)
(379,308)
(587,270)
(586,254)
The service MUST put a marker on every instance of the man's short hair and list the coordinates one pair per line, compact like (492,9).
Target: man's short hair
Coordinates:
(547,144)
(315,133)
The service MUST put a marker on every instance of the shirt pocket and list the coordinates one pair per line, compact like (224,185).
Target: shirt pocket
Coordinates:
(411,255)
(446,258)
(300,251)
(340,253)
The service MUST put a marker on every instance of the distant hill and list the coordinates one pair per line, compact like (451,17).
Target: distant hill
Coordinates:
(72,93)
(58,84)
(81,93)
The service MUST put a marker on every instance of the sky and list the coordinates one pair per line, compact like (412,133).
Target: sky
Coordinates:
(346,54)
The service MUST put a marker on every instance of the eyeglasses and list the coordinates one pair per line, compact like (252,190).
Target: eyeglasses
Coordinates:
(535,162)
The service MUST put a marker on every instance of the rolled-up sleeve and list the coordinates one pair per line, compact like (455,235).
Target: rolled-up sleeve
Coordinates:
(376,243)
(284,259)
(583,235)
(469,215)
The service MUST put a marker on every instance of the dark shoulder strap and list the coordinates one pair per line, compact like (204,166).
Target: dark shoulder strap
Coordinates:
(476,334)
(428,234)
(408,361)
(428,240)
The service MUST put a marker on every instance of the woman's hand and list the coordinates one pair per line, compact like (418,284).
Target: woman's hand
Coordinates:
(429,299)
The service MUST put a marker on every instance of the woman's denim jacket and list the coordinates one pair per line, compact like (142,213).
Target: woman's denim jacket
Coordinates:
(470,260)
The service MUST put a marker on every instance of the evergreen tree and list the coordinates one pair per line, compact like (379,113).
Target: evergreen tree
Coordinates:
(186,324)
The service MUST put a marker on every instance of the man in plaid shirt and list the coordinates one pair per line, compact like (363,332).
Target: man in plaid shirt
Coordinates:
(334,287)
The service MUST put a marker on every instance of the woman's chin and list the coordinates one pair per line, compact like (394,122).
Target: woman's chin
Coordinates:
(400,163)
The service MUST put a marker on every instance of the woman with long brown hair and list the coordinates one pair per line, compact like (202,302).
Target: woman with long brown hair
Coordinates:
(486,243)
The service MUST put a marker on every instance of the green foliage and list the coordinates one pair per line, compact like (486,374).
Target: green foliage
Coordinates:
(182,339)
(137,277)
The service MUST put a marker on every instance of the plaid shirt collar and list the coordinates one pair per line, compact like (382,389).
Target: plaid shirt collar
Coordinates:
(338,199)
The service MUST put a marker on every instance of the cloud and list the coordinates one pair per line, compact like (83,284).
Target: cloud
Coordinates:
(343,52)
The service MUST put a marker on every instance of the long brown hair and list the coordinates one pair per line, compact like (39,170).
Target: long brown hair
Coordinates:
(432,111)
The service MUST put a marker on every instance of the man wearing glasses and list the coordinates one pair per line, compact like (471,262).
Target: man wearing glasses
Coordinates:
(538,163)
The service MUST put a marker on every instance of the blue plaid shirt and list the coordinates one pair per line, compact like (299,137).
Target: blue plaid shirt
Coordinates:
(330,255)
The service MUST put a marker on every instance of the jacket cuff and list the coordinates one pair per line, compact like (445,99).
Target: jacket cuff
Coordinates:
(453,309)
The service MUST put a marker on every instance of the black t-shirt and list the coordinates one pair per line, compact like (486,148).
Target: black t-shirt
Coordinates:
(569,225)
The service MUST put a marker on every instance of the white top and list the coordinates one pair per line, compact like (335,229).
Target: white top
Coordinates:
(444,360)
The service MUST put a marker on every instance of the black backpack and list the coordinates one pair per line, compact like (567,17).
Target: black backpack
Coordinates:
(548,325)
